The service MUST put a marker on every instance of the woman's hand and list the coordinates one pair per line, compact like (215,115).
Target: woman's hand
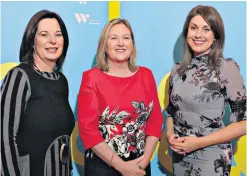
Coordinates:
(189,144)
(173,140)
(131,168)
(144,163)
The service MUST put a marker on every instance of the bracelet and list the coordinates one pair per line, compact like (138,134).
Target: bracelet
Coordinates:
(111,159)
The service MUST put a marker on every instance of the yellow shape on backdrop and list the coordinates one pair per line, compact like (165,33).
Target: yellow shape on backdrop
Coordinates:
(240,157)
(114,10)
(163,154)
(163,151)
(235,171)
(155,151)
(6,67)
(77,155)
(163,91)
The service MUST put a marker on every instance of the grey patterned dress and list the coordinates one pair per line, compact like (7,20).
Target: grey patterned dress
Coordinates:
(197,105)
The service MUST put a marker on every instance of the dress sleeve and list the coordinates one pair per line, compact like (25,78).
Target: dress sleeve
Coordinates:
(15,92)
(171,108)
(235,92)
(88,114)
(155,121)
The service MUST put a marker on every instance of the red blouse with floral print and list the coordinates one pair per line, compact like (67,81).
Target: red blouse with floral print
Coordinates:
(119,110)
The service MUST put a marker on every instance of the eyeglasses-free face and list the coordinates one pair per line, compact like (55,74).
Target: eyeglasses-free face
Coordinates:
(200,37)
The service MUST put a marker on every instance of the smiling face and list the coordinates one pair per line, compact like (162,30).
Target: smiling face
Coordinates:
(119,43)
(49,41)
(200,37)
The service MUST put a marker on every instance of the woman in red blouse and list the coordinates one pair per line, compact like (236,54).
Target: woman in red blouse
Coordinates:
(120,120)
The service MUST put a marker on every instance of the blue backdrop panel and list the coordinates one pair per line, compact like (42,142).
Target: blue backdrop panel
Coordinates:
(157,27)
(84,21)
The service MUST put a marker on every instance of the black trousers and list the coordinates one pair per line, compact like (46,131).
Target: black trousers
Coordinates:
(97,167)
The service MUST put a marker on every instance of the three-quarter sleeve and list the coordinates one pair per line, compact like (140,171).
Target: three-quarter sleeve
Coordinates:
(234,89)
(88,113)
(155,121)
(171,109)
(15,92)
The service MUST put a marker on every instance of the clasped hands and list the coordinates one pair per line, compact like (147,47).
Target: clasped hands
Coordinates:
(183,145)
(135,167)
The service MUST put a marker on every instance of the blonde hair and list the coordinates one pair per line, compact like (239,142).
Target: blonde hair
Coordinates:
(101,56)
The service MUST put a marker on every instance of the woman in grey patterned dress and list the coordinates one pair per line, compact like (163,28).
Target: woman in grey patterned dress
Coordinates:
(200,88)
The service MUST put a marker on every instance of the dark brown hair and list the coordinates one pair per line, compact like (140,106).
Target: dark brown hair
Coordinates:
(26,49)
(214,20)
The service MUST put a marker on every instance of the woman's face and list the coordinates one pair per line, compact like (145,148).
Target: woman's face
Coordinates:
(49,41)
(119,43)
(200,37)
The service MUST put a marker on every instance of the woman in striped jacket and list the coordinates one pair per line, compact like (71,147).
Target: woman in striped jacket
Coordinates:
(36,118)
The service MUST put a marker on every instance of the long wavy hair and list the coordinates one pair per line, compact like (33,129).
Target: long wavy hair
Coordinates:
(214,20)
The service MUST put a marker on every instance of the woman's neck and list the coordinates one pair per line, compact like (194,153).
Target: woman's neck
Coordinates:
(120,69)
(44,66)
(201,54)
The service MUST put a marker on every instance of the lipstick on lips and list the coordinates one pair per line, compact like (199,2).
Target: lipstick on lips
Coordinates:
(52,49)
(198,42)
